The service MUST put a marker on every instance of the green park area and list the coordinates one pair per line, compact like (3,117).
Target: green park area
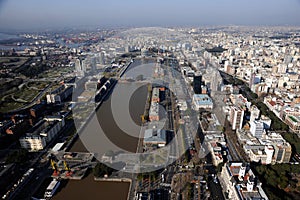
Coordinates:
(280,181)
(16,96)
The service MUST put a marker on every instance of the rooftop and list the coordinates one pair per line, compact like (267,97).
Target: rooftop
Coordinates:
(202,99)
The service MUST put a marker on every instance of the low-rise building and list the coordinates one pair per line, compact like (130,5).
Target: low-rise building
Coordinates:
(293,122)
(33,142)
(154,112)
(42,133)
(155,95)
(272,148)
(215,142)
(153,137)
(202,101)
(240,183)
(260,153)
(267,121)
(60,94)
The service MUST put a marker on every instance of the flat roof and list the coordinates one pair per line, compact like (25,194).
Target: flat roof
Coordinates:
(202,99)
(58,146)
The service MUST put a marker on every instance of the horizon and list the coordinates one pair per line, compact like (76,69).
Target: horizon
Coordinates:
(32,15)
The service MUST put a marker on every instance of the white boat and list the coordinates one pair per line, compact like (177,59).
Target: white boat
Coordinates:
(51,189)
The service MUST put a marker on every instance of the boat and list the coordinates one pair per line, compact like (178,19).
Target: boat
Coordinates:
(51,189)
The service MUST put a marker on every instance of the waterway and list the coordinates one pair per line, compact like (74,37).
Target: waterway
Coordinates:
(106,117)
(88,189)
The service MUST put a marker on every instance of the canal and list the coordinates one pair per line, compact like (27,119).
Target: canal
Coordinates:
(113,117)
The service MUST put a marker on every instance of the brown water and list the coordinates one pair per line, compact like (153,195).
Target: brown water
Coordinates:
(127,140)
(88,188)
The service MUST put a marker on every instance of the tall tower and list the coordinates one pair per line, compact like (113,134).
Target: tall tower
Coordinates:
(101,58)
(78,65)
(93,64)
(197,83)
(84,65)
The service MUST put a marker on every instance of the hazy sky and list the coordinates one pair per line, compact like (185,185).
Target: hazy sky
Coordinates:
(32,14)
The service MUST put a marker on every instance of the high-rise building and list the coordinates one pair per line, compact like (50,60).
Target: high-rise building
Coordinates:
(236,117)
(93,64)
(197,83)
(282,149)
(283,152)
(78,65)
(101,58)
(254,113)
(257,129)
(287,154)
(84,65)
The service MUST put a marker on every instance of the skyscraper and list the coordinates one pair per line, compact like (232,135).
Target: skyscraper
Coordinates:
(78,65)
(101,58)
(93,64)
(84,65)
(197,83)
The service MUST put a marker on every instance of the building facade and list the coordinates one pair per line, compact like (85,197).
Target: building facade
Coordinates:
(236,117)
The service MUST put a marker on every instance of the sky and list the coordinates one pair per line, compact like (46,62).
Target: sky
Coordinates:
(40,14)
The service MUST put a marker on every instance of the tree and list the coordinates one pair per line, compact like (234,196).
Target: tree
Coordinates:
(101,169)
(19,156)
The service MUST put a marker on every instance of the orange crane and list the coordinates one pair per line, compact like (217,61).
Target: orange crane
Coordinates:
(54,167)
(68,169)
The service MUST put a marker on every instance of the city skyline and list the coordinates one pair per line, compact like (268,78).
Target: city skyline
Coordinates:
(32,14)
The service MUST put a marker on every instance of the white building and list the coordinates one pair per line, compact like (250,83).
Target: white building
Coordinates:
(155,137)
(33,142)
(236,117)
(43,132)
(202,101)
(257,129)
(267,121)
(240,183)
(254,113)
(260,153)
